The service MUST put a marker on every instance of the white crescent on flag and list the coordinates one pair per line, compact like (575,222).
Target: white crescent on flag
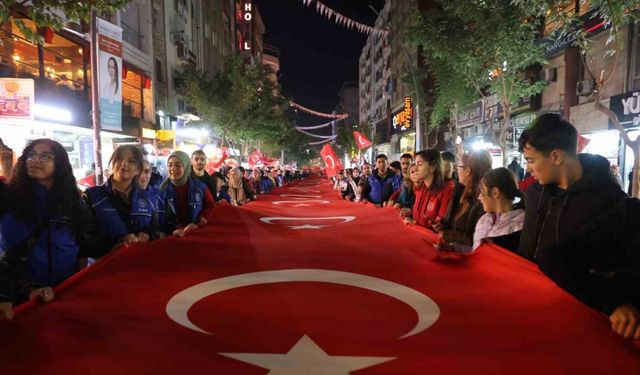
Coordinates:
(362,143)
(333,163)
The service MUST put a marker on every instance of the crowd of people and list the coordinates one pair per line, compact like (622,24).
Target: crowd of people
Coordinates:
(50,229)
(567,213)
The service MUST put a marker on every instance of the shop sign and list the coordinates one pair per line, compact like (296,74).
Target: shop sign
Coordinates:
(110,75)
(165,139)
(517,126)
(627,108)
(471,114)
(403,119)
(17,98)
(148,133)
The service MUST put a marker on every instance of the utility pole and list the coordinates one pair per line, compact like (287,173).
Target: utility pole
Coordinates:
(95,101)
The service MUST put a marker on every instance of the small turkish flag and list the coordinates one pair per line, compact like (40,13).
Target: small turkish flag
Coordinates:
(361,140)
(255,158)
(583,142)
(331,161)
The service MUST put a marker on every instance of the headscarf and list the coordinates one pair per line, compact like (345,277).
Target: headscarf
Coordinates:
(184,158)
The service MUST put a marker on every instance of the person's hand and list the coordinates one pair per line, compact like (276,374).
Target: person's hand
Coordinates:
(384,204)
(43,294)
(391,203)
(408,220)
(397,206)
(143,237)
(190,228)
(178,232)
(437,224)
(202,221)
(6,311)
(129,239)
(405,212)
(625,321)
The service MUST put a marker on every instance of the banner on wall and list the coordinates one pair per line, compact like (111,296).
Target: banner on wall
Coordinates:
(109,75)
(16,98)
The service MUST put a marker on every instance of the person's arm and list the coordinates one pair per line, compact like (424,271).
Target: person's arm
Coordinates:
(208,204)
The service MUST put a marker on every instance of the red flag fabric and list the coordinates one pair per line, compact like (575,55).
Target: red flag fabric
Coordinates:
(361,140)
(583,142)
(255,158)
(300,282)
(215,163)
(331,161)
(88,181)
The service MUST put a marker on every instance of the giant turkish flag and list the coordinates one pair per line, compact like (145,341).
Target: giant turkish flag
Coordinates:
(361,140)
(299,282)
(332,162)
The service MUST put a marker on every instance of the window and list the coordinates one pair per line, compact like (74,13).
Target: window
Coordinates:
(159,71)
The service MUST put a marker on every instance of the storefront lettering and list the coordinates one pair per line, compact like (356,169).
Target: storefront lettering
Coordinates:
(632,105)
(402,119)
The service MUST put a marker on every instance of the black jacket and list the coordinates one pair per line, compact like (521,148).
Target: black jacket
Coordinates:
(553,215)
(601,265)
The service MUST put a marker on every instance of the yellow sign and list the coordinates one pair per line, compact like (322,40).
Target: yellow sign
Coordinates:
(165,135)
(402,120)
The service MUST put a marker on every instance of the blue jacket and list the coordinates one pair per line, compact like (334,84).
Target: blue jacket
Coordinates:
(380,190)
(54,256)
(196,198)
(115,220)
(267,185)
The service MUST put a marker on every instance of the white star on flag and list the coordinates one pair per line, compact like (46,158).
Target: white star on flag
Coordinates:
(306,357)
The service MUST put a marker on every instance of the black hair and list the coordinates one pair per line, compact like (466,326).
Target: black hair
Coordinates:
(198,152)
(65,198)
(503,179)
(448,156)
(406,156)
(550,132)
(395,164)
(382,156)
(432,157)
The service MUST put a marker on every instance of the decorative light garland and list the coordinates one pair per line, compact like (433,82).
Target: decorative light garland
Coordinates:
(321,142)
(344,20)
(316,113)
(314,127)
(314,135)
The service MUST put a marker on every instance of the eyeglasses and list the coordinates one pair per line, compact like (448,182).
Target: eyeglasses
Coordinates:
(461,166)
(42,158)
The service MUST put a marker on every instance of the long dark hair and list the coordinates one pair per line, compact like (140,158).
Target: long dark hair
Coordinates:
(115,63)
(65,196)
(479,162)
(135,152)
(434,159)
(504,180)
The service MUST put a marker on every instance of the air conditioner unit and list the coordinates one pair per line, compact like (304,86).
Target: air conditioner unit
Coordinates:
(585,88)
(550,74)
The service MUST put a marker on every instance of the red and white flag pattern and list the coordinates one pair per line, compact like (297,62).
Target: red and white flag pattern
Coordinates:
(361,140)
(331,161)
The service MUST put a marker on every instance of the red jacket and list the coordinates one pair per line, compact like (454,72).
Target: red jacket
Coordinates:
(430,205)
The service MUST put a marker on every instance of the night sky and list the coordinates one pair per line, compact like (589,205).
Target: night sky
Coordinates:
(317,55)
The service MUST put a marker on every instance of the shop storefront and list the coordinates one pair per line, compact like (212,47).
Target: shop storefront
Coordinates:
(402,128)
(627,107)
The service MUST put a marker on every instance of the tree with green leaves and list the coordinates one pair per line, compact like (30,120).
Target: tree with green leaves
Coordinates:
(484,46)
(617,16)
(240,103)
(54,13)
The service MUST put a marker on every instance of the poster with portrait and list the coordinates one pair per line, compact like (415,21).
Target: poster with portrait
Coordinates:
(16,98)
(110,75)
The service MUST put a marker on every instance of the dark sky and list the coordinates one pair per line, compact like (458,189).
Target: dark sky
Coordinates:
(317,55)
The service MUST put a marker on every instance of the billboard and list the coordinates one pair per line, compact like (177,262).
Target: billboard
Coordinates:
(109,75)
(17,98)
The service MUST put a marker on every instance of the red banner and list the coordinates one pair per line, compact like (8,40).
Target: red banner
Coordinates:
(583,142)
(299,282)
(255,158)
(361,140)
(331,161)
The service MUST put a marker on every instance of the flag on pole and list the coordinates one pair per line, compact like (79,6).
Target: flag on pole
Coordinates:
(331,161)
(361,140)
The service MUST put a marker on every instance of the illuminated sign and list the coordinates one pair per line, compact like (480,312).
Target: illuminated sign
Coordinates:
(247,16)
(403,119)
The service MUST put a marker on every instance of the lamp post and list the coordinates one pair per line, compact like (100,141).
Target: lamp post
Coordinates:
(95,103)
(418,144)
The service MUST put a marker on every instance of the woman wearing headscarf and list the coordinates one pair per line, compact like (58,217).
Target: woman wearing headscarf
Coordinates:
(123,213)
(41,226)
(187,198)
(239,190)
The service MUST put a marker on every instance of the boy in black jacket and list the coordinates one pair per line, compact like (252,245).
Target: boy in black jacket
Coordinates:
(572,190)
